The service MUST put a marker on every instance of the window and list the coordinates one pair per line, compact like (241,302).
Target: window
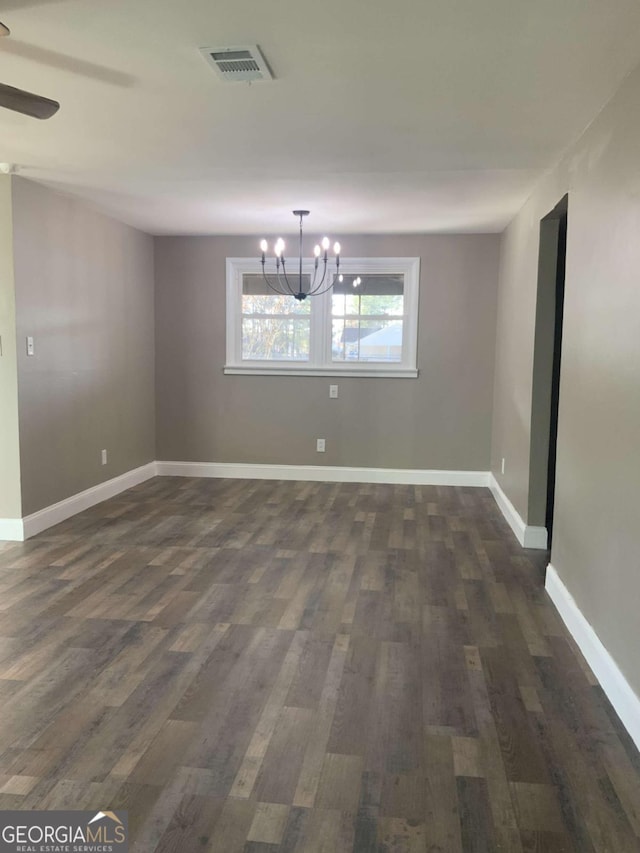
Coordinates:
(365,326)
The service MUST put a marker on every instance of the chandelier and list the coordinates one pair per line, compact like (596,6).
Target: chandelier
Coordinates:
(318,284)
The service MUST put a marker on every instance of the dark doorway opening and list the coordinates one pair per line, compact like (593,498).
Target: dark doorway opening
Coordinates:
(546,367)
(555,375)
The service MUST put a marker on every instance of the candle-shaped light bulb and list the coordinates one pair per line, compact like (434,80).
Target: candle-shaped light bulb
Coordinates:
(325,243)
(316,251)
(264,246)
(340,277)
(336,248)
(279,246)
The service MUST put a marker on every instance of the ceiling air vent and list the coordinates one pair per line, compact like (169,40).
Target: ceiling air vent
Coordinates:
(238,63)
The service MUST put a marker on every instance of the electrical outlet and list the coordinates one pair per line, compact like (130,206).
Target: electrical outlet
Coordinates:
(333,392)
(320,445)
(104,457)
(502,468)
(30,346)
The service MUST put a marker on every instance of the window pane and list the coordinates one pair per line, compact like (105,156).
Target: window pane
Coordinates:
(338,341)
(367,340)
(389,305)
(257,298)
(277,338)
(281,305)
(375,284)
(366,304)
(361,331)
(344,303)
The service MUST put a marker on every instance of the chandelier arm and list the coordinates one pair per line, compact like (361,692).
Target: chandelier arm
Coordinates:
(320,292)
(316,289)
(269,285)
(286,278)
(312,283)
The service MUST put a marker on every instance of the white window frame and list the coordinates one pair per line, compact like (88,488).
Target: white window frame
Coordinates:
(320,363)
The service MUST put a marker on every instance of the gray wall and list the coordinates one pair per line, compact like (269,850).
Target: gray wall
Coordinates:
(441,420)
(10,503)
(84,290)
(596,544)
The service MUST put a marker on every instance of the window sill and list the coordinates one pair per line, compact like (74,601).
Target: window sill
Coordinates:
(368,372)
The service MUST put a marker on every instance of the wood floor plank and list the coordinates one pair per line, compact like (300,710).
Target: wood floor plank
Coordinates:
(339,786)
(475,816)
(278,777)
(317,746)
(191,824)
(269,823)
(443,826)
(248,773)
(232,827)
(348,734)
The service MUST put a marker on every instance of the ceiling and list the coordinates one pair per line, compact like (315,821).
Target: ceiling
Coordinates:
(406,116)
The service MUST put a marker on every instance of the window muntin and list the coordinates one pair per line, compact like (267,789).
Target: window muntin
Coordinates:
(372,332)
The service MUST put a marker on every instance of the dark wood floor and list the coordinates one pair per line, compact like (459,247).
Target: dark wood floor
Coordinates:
(257,666)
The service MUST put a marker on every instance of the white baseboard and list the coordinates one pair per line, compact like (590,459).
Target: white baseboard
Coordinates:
(11,530)
(618,690)
(526,534)
(54,514)
(323,473)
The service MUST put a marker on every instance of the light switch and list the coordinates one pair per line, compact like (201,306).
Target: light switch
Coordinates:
(333,392)
(30,348)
